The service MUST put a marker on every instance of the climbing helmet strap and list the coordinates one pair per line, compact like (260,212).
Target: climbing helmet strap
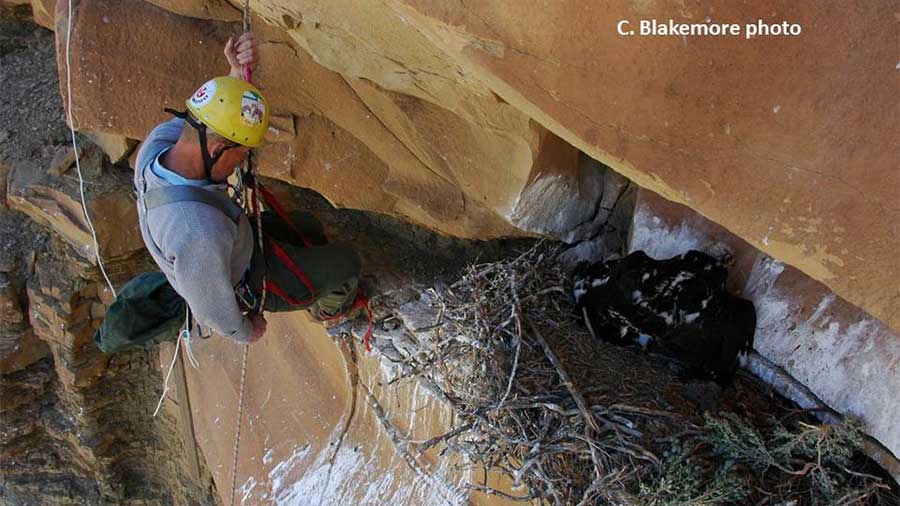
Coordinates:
(208,160)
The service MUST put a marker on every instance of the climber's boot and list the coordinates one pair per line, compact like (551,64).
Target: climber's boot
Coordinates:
(343,322)
(347,313)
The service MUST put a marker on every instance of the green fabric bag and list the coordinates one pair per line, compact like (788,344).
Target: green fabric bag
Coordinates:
(146,311)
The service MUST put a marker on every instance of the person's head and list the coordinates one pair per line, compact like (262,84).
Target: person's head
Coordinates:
(231,116)
(224,153)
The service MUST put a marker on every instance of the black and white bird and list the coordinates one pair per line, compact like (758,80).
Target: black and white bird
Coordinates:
(677,306)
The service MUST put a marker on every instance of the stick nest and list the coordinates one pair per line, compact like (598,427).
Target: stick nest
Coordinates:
(568,420)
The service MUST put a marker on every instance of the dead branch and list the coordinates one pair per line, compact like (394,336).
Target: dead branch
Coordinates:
(348,353)
(566,381)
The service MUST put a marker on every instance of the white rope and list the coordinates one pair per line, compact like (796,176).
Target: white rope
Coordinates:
(184,335)
(71,122)
(262,301)
(168,375)
(240,415)
(187,339)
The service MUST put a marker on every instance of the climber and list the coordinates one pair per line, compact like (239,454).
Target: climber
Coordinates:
(203,241)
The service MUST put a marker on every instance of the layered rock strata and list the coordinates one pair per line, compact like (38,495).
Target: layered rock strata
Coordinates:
(77,425)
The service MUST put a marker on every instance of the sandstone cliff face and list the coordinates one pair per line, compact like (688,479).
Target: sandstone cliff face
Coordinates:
(443,113)
(476,120)
(77,425)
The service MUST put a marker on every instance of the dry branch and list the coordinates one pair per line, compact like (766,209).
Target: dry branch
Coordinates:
(348,353)
(566,381)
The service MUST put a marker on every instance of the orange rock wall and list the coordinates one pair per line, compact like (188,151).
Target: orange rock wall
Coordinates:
(358,144)
(436,112)
(788,142)
(296,402)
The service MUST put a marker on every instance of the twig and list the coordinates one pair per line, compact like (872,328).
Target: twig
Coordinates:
(515,366)
(640,411)
(493,491)
(587,322)
(424,446)
(401,446)
(566,381)
(348,353)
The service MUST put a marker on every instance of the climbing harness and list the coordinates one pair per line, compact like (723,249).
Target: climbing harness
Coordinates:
(361,302)
(260,193)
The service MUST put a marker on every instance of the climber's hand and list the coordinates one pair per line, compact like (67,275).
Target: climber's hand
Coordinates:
(241,52)
(259,328)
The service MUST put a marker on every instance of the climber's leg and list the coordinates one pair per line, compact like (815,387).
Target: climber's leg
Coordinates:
(331,269)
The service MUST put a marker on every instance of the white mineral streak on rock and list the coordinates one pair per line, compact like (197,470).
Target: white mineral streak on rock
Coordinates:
(554,205)
(282,478)
(247,489)
(354,480)
(845,362)
(652,236)
(542,206)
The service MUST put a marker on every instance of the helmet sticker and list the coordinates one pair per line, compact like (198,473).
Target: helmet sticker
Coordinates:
(252,108)
(204,94)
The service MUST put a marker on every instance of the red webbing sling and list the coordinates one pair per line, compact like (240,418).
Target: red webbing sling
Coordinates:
(360,302)
(272,202)
(286,260)
(271,286)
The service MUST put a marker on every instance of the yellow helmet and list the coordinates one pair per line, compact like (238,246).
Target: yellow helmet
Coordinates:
(232,108)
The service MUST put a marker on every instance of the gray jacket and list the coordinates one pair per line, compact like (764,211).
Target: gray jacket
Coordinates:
(201,251)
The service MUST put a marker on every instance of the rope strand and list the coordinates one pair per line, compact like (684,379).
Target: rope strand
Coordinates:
(168,375)
(183,336)
(246,22)
(259,310)
(262,297)
(240,415)
(71,123)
